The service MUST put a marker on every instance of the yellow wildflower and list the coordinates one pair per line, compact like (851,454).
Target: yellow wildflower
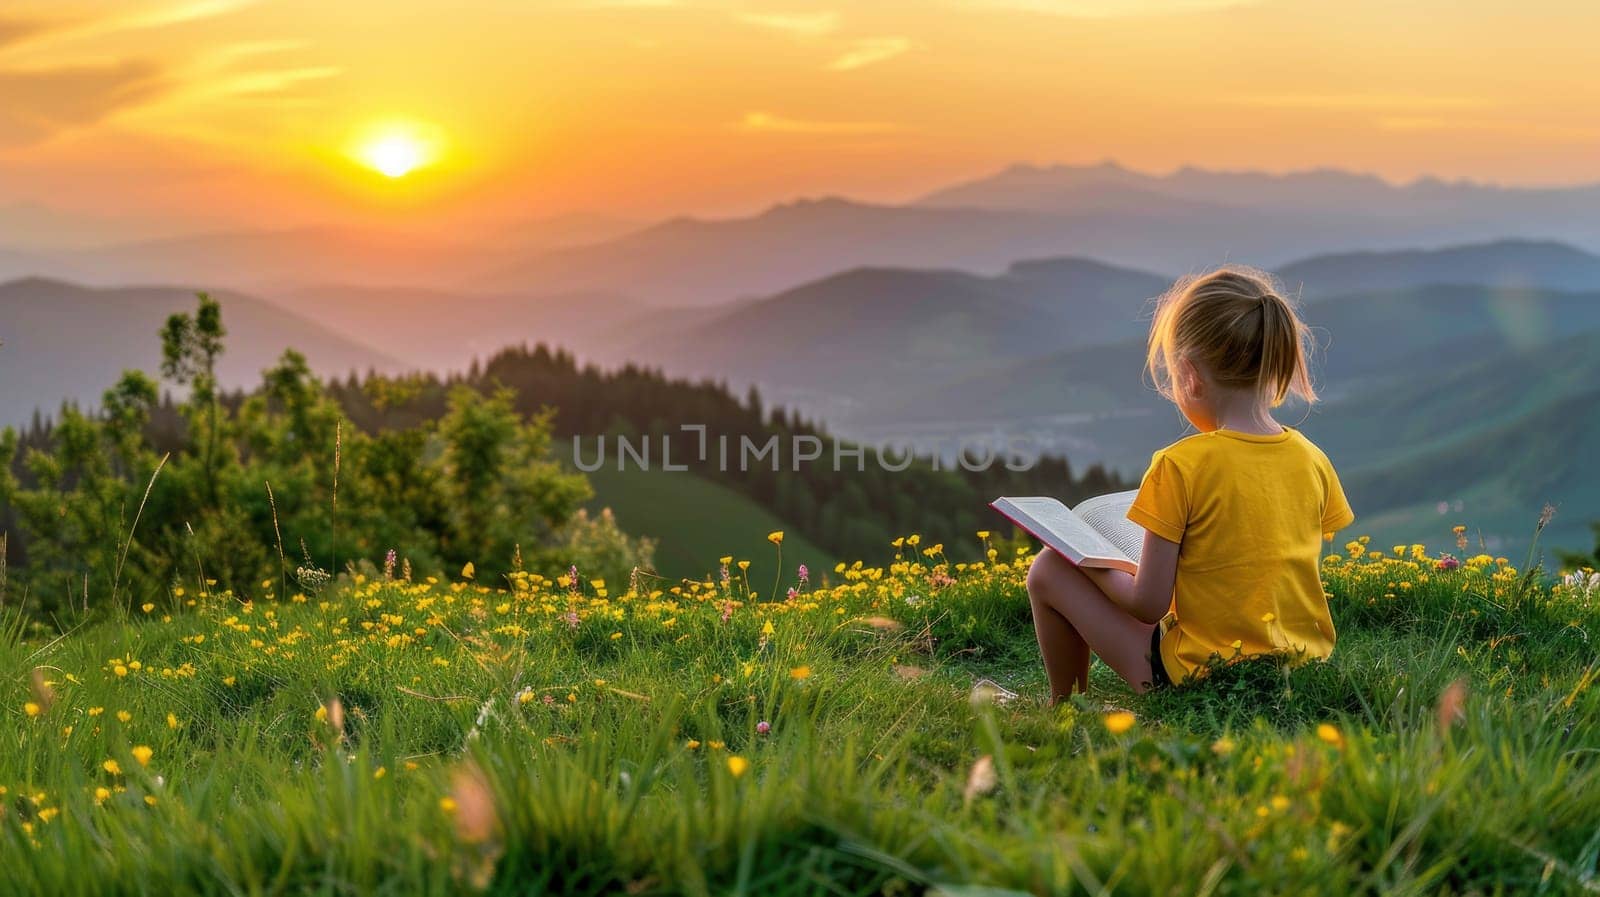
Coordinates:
(737,765)
(1330,734)
(775,537)
(112,767)
(142,753)
(1119,721)
(800,673)
(32,709)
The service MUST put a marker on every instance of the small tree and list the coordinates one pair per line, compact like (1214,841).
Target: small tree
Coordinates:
(502,487)
(190,347)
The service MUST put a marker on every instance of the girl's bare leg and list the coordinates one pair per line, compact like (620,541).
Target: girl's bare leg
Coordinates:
(1072,617)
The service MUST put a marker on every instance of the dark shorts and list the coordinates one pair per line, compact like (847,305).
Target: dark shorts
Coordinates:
(1158,671)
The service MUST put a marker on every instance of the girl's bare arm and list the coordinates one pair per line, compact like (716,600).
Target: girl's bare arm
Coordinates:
(1148,596)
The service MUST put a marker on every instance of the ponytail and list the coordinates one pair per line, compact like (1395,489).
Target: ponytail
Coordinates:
(1283,355)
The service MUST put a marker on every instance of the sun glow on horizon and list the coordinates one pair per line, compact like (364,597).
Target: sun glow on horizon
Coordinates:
(395,156)
(395,151)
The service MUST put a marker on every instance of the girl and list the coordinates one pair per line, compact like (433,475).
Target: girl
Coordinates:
(1234,515)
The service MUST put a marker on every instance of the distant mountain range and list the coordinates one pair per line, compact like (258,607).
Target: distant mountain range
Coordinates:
(1570,212)
(63,341)
(1177,222)
(1507,264)
(696,262)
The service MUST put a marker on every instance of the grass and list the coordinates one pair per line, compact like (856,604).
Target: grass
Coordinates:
(399,737)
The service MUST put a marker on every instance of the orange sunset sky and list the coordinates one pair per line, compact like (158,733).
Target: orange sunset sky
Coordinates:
(196,113)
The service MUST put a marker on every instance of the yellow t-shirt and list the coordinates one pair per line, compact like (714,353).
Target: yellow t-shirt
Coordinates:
(1249,513)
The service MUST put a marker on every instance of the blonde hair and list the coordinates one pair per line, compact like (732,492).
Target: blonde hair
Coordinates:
(1236,325)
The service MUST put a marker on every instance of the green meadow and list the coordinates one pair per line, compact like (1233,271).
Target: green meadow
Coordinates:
(537,734)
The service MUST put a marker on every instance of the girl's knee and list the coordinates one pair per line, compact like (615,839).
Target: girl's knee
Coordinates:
(1048,570)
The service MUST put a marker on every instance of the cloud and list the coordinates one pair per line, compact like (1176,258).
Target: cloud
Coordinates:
(227,54)
(869,51)
(277,80)
(176,14)
(43,102)
(41,32)
(777,124)
(799,24)
(14,30)
(1105,9)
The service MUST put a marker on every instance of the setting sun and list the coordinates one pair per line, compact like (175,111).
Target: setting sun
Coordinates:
(396,150)
(395,156)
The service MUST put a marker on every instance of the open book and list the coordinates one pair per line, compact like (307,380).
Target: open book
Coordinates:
(1096,533)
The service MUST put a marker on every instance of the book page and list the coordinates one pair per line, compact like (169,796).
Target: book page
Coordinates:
(1108,515)
(1054,524)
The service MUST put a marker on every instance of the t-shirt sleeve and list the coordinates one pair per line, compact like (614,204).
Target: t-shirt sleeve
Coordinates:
(1162,505)
(1336,513)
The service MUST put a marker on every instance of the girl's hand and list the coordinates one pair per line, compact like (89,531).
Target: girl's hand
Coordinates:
(1148,596)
